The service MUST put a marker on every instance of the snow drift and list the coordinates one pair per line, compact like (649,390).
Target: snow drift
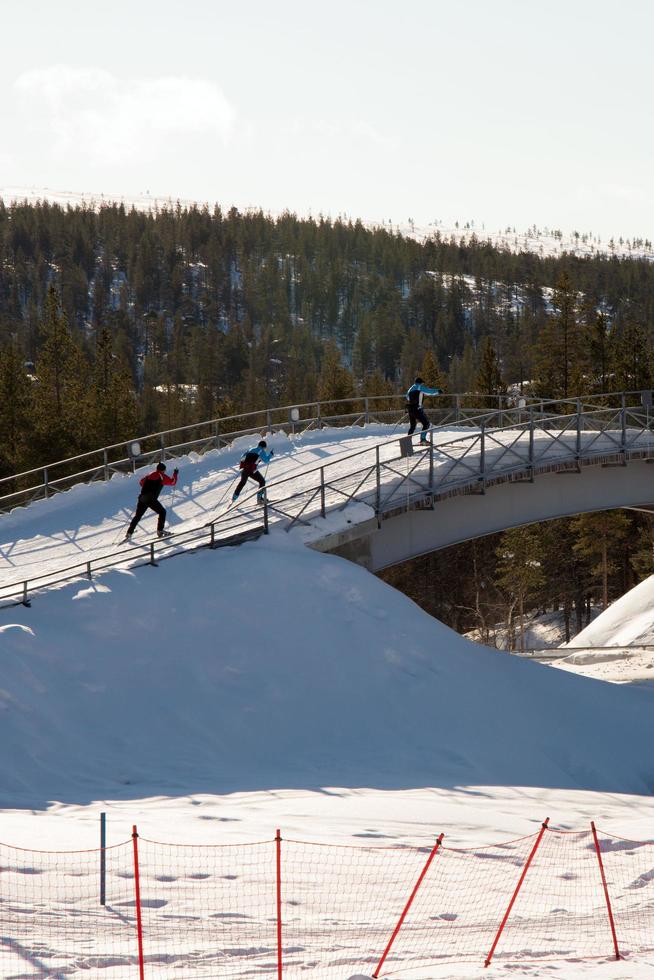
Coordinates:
(629,621)
(270,665)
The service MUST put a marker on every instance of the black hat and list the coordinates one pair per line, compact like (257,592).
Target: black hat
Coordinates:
(418,381)
(161,467)
(263,443)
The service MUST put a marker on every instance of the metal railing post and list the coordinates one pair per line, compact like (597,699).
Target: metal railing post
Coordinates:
(378,486)
(457,408)
(88,571)
(531,444)
(623,423)
(105,458)
(268,420)
(366,413)
(265,512)
(319,415)
(25,600)
(45,482)
(431,462)
(162,440)
(322,491)
(482,457)
(152,558)
(578,443)
(103,859)
(212,543)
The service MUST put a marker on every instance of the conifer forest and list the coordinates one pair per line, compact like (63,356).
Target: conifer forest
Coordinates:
(116,322)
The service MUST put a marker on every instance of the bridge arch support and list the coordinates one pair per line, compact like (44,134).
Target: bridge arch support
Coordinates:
(462,517)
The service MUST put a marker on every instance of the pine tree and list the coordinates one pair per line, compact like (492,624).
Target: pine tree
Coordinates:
(15,412)
(335,380)
(632,358)
(489,376)
(113,409)
(431,372)
(519,572)
(600,538)
(561,360)
(60,395)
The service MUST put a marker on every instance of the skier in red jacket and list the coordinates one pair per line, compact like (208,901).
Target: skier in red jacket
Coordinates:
(151,486)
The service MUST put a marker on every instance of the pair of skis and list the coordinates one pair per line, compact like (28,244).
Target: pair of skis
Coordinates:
(129,539)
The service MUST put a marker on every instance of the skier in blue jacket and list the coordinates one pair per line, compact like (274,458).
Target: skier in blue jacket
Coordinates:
(249,462)
(414,407)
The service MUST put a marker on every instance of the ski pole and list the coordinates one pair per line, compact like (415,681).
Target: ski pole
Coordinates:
(228,488)
(399,422)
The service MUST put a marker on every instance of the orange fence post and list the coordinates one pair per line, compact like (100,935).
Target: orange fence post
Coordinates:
(137,887)
(606,890)
(517,889)
(278,849)
(408,904)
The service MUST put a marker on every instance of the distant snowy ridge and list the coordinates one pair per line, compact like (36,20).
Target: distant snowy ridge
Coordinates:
(545,242)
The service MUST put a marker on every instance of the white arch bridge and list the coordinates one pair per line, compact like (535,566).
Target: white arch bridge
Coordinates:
(363,491)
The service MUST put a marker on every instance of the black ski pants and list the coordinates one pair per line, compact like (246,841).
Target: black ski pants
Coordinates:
(142,505)
(417,414)
(244,479)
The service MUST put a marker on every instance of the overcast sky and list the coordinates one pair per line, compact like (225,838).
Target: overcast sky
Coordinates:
(508,112)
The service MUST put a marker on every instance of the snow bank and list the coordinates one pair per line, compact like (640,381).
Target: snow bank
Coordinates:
(629,621)
(271,665)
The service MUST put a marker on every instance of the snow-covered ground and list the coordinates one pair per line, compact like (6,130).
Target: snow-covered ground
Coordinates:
(224,694)
(542,631)
(618,646)
(88,522)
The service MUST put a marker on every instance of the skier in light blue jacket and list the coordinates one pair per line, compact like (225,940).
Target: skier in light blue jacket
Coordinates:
(249,462)
(414,407)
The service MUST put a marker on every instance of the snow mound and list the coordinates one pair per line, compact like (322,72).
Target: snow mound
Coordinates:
(271,665)
(629,621)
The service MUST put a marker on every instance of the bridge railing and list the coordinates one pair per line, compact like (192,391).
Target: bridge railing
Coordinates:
(385,478)
(455,409)
(394,474)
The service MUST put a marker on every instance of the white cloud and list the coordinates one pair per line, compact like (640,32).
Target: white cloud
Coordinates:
(94,113)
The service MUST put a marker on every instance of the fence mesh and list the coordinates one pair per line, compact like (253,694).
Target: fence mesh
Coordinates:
(208,911)
(51,920)
(280,908)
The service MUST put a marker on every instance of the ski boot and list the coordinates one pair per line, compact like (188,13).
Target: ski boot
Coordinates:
(261,496)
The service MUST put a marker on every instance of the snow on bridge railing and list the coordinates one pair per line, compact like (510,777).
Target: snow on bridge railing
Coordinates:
(282,907)
(102,463)
(387,479)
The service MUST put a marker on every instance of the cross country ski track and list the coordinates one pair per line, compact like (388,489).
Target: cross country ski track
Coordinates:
(87,522)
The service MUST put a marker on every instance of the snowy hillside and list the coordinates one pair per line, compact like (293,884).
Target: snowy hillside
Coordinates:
(270,665)
(618,646)
(223,694)
(629,621)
